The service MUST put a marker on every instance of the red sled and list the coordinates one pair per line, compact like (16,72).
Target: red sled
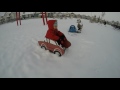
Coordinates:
(53,46)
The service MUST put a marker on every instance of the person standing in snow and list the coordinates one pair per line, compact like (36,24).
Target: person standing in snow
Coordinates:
(104,22)
(54,34)
(79,25)
(99,19)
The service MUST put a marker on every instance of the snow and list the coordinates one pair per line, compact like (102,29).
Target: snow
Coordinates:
(95,53)
(26,13)
(29,12)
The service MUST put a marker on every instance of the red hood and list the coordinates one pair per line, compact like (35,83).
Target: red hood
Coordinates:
(50,24)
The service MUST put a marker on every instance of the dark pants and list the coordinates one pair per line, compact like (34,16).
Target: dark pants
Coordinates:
(61,40)
(79,28)
(104,23)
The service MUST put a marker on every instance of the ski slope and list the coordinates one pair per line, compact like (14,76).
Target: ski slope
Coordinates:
(95,53)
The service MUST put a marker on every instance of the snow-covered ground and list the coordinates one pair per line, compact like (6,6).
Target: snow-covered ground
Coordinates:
(95,53)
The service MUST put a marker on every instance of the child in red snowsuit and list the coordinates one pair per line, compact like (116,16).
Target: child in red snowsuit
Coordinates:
(54,34)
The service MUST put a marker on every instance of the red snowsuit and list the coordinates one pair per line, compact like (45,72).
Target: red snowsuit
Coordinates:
(52,33)
(56,35)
